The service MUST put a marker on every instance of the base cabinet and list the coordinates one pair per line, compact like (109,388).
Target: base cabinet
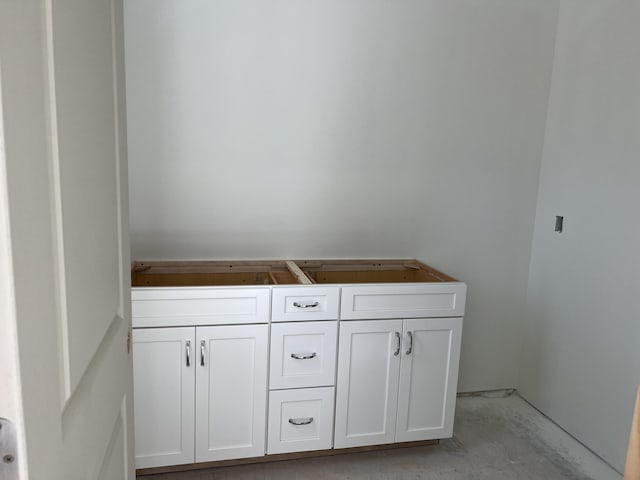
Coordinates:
(396,380)
(227,371)
(200,393)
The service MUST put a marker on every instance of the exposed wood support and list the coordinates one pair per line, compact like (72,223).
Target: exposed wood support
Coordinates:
(299,274)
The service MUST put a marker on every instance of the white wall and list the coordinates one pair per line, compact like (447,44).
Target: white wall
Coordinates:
(581,356)
(359,128)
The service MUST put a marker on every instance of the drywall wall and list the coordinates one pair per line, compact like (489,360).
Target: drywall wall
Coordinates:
(581,361)
(359,128)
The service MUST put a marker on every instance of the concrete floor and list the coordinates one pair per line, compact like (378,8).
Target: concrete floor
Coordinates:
(494,439)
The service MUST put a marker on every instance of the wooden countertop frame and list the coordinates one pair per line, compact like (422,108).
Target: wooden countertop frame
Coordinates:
(282,272)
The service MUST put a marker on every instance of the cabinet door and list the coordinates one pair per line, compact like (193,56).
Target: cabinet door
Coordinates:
(231,392)
(367,386)
(428,378)
(164,384)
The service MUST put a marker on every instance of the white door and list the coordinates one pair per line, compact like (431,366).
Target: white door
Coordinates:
(164,382)
(231,392)
(367,386)
(64,196)
(428,378)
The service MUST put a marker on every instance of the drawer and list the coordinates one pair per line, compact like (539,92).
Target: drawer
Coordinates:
(167,307)
(303,354)
(403,301)
(300,420)
(292,304)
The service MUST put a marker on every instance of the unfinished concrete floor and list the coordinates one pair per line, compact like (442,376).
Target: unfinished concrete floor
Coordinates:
(494,439)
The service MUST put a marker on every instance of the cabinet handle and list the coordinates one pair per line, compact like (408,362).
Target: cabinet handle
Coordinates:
(300,421)
(397,352)
(408,352)
(303,356)
(202,353)
(188,353)
(306,305)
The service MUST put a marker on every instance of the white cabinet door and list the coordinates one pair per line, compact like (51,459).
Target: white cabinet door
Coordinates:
(428,378)
(164,384)
(367,387)
(231,392)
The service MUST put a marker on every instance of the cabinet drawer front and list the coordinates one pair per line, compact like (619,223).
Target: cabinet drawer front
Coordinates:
(403,301)
(300,420)
(159,307)
(292,304)
(303,354)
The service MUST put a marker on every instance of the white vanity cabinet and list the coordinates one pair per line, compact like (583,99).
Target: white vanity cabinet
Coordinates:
(398,360)
(244,359)
(200,373)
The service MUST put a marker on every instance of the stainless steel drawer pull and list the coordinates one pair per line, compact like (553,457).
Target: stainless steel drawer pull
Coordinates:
(188,353)
(397,352)
(408,352)
(300,421)
(306,305)
(202,353)
(304,356)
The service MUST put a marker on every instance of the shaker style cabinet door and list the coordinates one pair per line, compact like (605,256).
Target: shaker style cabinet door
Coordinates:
(164,384)
(231,392)
(367,387)
(428,378)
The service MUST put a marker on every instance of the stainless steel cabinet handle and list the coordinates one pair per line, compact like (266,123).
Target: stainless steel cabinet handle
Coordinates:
(408,352)
(303,356)
(188,353)
(202,353)
(306,305)
(397,352)
(300,421)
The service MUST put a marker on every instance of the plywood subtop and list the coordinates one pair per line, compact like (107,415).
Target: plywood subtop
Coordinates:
(281,272)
